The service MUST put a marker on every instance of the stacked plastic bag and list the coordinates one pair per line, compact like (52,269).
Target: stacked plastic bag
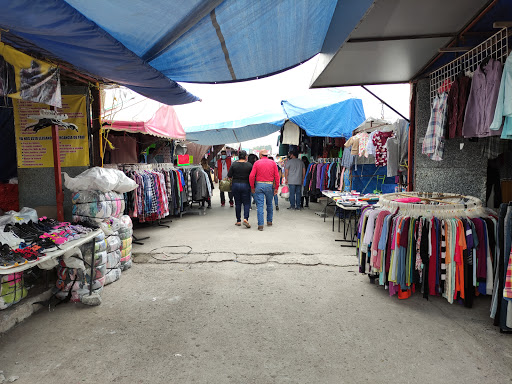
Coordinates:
(113,258)
(98,196)
(12,289)
(97,205)
(125,234)
(74,270)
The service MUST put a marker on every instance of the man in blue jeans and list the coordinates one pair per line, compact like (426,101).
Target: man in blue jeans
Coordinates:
(264,180)
(294,174)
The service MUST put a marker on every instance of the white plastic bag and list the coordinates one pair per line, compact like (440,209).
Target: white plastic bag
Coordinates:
(101,179)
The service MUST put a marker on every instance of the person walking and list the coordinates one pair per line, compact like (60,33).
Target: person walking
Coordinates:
(304,199)
(294,174)
(264,180)
(223,165)
(280,173)
(240,187)
(207,169)
(252,158)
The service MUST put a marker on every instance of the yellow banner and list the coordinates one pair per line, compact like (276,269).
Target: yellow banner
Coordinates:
(23,77)
(34,149)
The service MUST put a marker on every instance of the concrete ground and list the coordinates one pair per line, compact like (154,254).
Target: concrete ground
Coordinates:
(208,302)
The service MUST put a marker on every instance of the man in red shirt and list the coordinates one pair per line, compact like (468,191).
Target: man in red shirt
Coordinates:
(264,180)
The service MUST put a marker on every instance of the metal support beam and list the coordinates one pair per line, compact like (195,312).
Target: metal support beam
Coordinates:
(395,38)
(383,102)
(455,49)
(412,134)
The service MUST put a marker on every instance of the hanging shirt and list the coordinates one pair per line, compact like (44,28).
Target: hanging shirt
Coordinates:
(291,133)
(381,153)
(456,105)
(363,141)
(370,147)
(482,101)
(391,147)
(353,143)
(504,103)
(433,143)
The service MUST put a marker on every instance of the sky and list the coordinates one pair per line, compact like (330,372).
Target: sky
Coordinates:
(226,102)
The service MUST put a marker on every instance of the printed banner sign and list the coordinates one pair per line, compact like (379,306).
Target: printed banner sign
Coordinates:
(33,122)
(23,77)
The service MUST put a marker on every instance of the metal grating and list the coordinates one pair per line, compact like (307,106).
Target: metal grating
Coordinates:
(495,46)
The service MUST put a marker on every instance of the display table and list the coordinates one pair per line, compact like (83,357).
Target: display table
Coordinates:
(53,254)
(347,205)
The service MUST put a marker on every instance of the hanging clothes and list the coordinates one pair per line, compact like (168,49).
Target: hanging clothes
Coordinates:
(482,101)
(448,257)
(433,143)
(291,133)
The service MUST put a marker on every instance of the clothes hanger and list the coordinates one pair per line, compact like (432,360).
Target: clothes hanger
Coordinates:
(485,61)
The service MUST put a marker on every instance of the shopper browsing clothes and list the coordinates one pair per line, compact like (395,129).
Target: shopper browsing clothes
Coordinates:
(223,165)
(276,197)
(264,180)
(294,174)
(305,199)
(240,187)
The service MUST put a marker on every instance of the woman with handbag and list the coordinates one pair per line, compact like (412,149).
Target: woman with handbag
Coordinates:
(240,187)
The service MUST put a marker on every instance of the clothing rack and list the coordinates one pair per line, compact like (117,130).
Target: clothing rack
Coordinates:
(495,46)
(445,203)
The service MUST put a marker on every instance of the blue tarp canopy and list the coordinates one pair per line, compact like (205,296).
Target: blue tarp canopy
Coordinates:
(324,113)
(147,46)
(236,131)
(335,120)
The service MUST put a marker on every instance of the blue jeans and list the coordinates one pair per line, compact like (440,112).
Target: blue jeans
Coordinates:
(276,200)
(242,195)
(295,195)
(264,192)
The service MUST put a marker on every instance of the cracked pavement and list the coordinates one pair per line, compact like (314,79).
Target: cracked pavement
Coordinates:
(208,302)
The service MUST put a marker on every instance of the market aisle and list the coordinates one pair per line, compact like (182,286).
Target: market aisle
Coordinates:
(276,322)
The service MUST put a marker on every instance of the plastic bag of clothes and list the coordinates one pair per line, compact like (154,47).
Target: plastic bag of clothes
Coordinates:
(12,289)
(101,179)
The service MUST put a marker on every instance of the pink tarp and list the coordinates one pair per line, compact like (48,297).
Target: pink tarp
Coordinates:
(164,123)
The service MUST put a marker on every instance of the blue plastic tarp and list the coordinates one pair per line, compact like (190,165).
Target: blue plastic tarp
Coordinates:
(322,112)
(336,120)
(236,131)
(58,28)
(255,38)
(147,46)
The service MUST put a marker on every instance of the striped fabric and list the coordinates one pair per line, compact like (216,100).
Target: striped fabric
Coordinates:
(507,290)
(443,255)
(433,143)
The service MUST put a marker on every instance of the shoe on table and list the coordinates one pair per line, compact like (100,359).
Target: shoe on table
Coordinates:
(269,223)
(246,223)
(260,227)
(238,224)
(277,207)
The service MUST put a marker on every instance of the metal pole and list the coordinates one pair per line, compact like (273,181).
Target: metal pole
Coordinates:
(412,134)
(383,102)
